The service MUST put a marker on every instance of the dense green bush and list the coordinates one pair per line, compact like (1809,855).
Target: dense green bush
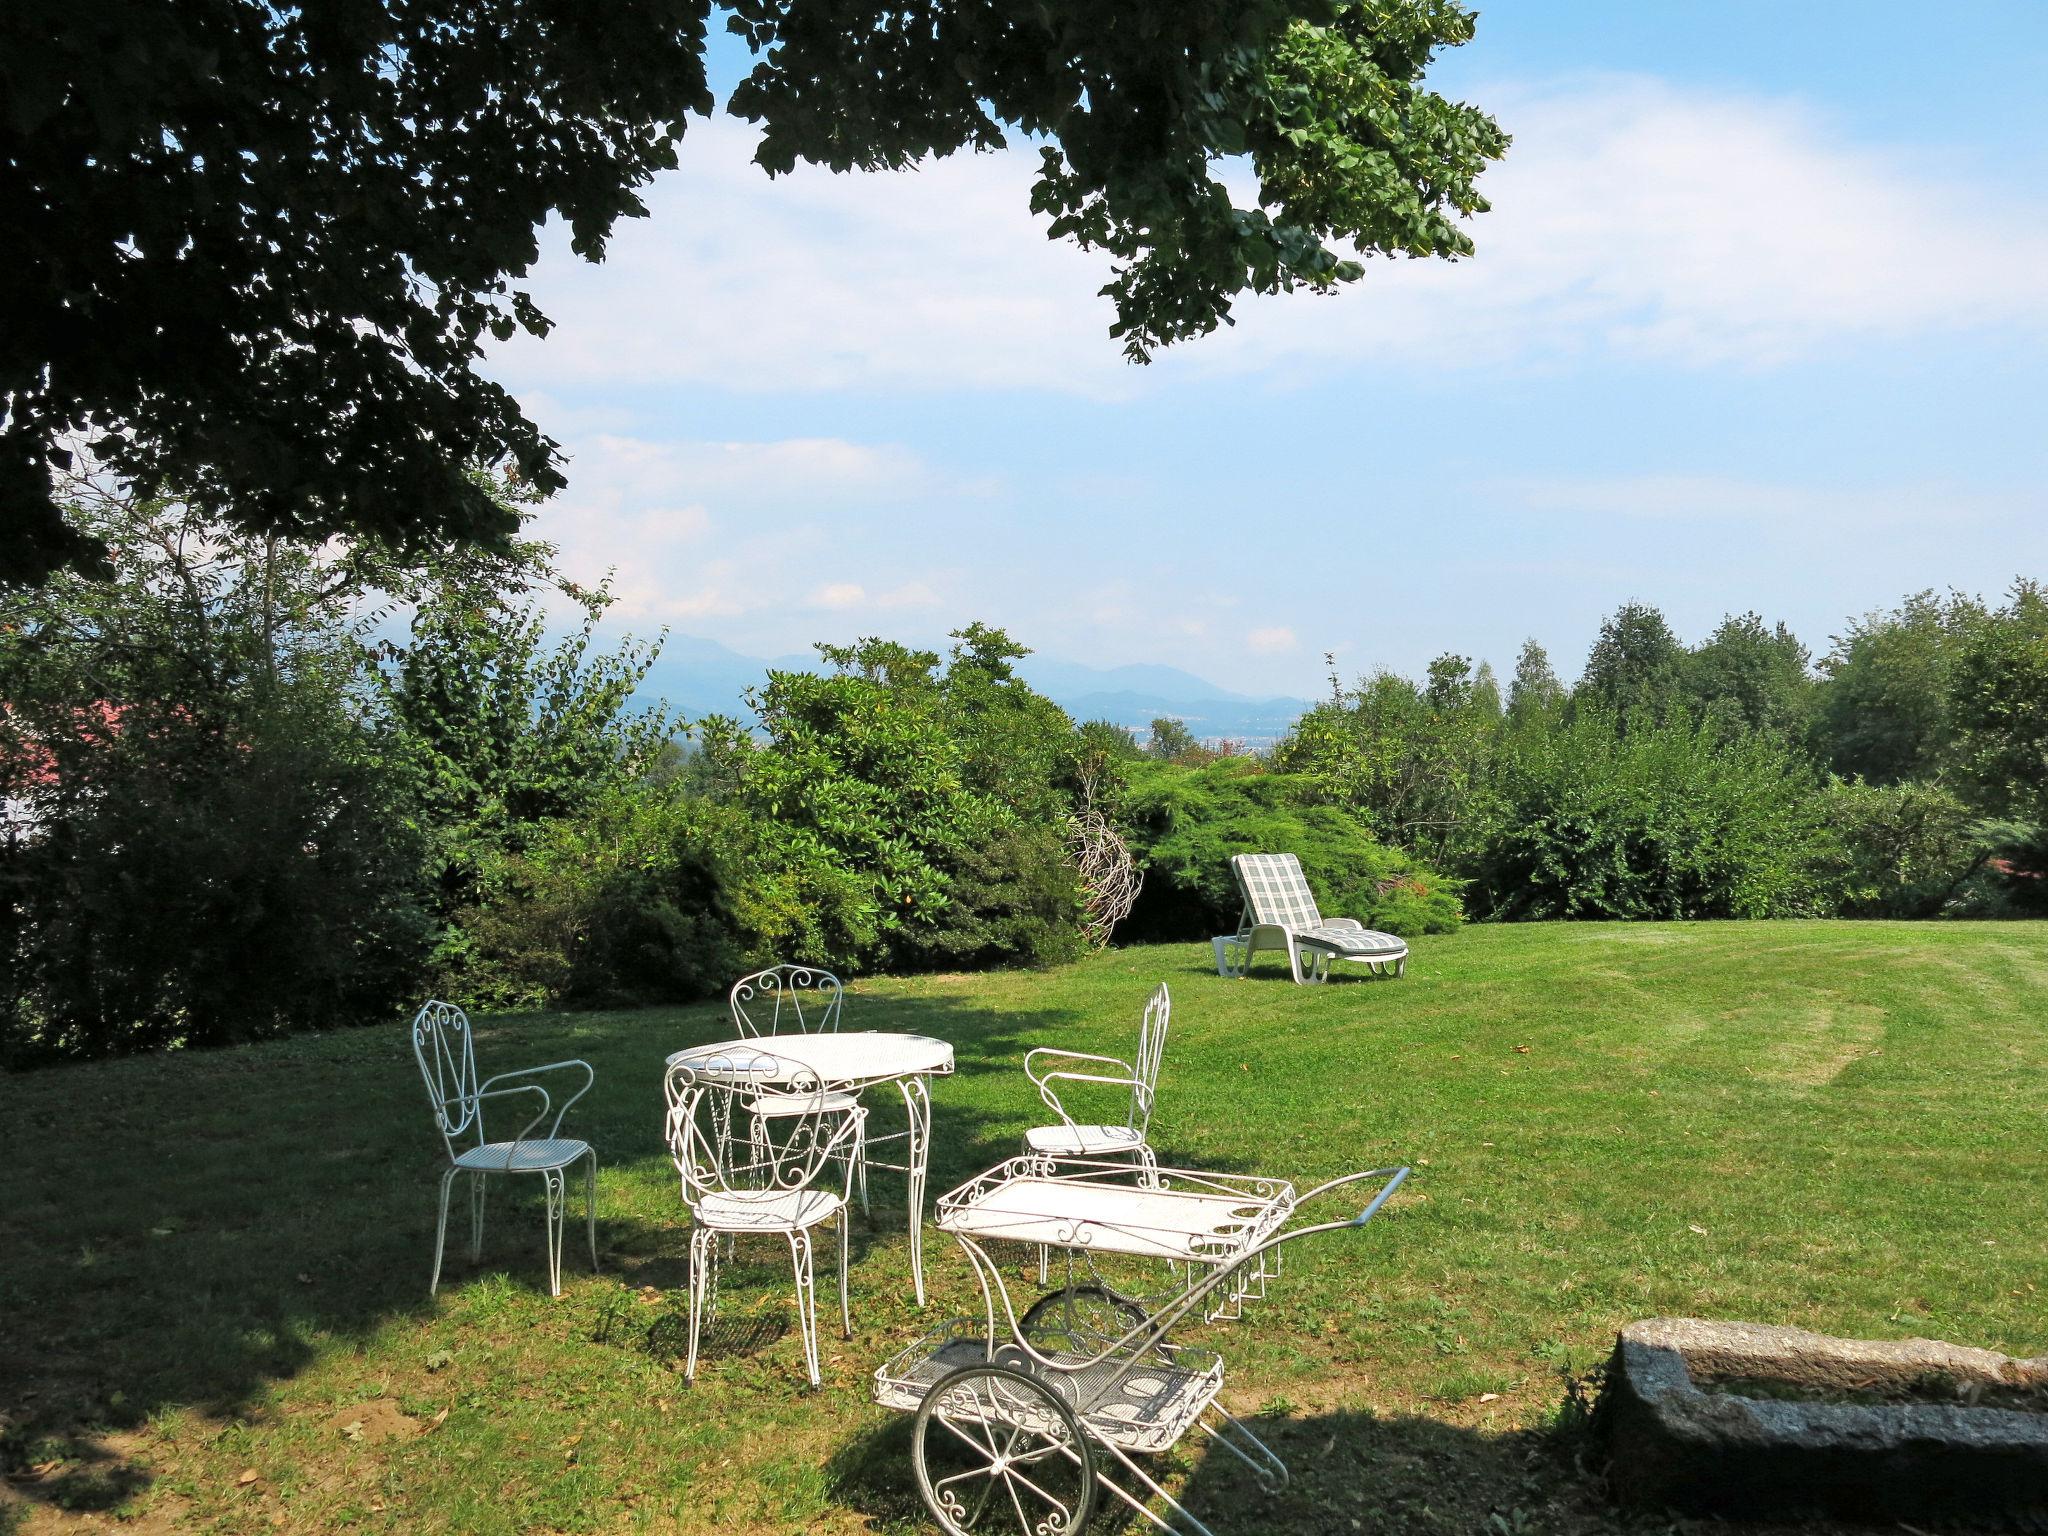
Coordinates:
(1659,821)
(1906,850)
(893,814)
(1187,822)
(621,905)
(193,882)
(217,848)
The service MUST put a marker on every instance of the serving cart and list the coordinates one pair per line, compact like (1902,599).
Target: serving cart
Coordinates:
(1023,1417)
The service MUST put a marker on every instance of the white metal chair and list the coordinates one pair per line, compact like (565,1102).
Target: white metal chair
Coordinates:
(446,1053)
(1071,1138)
(1280,913)
(750,1183)
(797,1000)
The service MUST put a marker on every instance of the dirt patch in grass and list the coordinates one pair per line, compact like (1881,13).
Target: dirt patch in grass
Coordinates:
(372,1423)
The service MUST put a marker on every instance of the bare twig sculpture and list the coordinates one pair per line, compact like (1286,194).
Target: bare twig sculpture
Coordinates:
(1110,877)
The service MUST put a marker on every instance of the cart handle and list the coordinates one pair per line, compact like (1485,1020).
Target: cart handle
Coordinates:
(1395,1177)
(1399,1176)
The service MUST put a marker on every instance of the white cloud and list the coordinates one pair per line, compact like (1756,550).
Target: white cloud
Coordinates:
(912,594)
(1272,641)
(1635,218)
(695,529)
(776,473)
(941,275)
(839,594)
(1632,217)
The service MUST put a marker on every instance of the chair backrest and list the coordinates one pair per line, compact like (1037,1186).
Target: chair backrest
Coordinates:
(787,1000)
(442,1045)
(721,1145)
(1151,1052)
(1275,890)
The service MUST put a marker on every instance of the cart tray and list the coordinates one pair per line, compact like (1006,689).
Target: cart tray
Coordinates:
(1146,1409)
(1114,1217)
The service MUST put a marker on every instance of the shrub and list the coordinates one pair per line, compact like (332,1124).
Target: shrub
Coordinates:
(1906,850)
(621,906)
(1673,820)
(893,815)
(195,884)
(1187,822)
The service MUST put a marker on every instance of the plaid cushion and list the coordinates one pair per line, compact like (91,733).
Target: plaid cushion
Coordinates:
(1276,890)
(1360,943)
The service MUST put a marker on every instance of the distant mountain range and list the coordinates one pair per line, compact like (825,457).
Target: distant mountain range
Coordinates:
(702,677)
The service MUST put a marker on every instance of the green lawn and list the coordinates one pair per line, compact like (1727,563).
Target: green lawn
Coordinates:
(213,1266)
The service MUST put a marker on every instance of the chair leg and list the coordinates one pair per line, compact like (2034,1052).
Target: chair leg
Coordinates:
(703,1256)
(590,1206)
(441,1231)
(478,1183)
(557,1208)
(806,1300)
(1294,958)
(845,1307)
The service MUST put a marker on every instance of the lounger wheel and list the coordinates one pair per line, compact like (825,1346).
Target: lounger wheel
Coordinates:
(996,1449)
(1081,1321)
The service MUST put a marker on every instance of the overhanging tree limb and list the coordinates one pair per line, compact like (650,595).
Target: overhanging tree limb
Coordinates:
(253,252)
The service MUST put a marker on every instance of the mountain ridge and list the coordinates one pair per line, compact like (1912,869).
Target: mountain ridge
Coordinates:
(700,677)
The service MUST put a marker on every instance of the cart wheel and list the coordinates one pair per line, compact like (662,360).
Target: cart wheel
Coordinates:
(1081,1320)
(998,1450)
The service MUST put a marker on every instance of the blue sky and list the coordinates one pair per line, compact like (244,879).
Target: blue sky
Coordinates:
(1757,322)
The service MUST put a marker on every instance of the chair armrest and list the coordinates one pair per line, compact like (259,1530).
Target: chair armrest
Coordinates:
(486,1091)
(1049,1050)
(1052,1098)
(1343,922)
(589,1077)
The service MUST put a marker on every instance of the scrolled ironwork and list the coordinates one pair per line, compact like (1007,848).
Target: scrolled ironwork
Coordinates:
(752,1141)
(444,1046)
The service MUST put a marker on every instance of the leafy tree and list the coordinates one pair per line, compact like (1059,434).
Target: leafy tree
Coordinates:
(1752,677)
(1020,747)
(1170,740)
(1534,693)
(1485,697)
(1636,669)
(1907,850)
(1658,821)
(500,730)
(870,823)
(1103,742)
(217,850)
(1999,706)
(624,903)
(1410,760)
(253,251)
(1883,707)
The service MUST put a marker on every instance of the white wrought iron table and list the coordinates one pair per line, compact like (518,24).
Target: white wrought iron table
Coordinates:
(849,1061)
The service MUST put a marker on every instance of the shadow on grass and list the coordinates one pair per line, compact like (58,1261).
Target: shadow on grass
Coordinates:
(1351,1472)
(184,1231)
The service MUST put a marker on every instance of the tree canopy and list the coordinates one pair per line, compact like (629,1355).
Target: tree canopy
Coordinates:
(254,251)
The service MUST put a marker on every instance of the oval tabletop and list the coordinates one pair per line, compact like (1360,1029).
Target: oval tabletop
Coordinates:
(851,1056)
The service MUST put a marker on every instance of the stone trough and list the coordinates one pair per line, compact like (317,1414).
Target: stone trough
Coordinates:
(1735,1419)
